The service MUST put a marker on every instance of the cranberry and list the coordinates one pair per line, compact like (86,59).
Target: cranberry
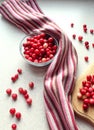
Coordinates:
(85,107)
(26,96)
(13,78)
(85,30)
(14,96)
(31,85)
(12,111)
(9,91)
(72,25)
(86,58)
(14,126)
(74,36)
(18,115)
(91,31)
(19,71)
(20,90)
(79,95)
(29,101)
(84,26)
(86,101)
(80,38)
(93,45)
(24,91)
(91,101)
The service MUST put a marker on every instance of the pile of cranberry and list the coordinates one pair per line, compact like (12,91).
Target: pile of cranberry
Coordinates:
(86,92)
(39,48)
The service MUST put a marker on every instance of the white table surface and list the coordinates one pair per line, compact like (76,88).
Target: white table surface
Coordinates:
(63,13)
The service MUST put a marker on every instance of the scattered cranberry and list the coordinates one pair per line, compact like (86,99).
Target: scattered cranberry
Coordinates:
(13,78)
(93,45)
(14,126)
(80,38)
(16,76)
(74,36)
(12,111)
(9,91)
(91,31)
(18,115)
(72,25)
(86,58)
(29,101)
(31,85)
(19,71)
(84,26)
(14,96)
(20,90)
(24,91)
(85,30)
(26,96)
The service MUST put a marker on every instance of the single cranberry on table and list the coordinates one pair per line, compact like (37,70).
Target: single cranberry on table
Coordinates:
(31,85)
(12,111)
(8,91)
(18,115)
(14,96)
(14,126)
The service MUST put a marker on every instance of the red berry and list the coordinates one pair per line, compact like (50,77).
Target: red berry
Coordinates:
(85,107)
(85,30)
(19,71)
(50,39)
(14,126)
(86,43)
(18,115)
(16,76)
(86,58)
(84,26)
(91,31)
(12,111)
(79,95)
(31,85)
(8,91)
(74,36)
(13,78)
(20,90)
(80,38)
(88,77)
(91,101)
(26,96)
(14,96)
(93,45)
(29,101)
(72,25)
(24,91)
(82,91)
(86,101)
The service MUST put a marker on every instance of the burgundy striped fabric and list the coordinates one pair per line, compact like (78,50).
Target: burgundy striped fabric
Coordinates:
(60,76)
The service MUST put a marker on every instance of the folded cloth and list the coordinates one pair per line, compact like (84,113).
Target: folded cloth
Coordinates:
(60,76)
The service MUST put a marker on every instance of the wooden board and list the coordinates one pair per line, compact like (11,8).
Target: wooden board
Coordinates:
(76,103)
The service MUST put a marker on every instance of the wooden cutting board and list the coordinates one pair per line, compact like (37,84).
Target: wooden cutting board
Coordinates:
(76,103)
